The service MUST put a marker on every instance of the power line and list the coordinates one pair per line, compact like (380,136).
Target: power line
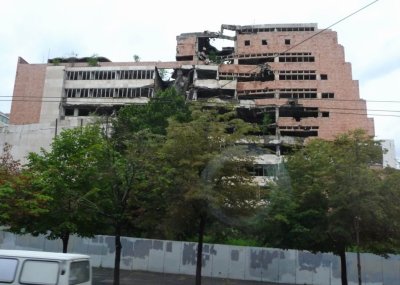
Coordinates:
(316,34)
(341,20)
(365,114)
(321,109)
(213,103)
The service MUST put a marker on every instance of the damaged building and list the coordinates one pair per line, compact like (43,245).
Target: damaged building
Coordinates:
(292,76)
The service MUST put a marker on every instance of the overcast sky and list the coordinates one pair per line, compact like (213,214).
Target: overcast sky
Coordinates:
(118,29)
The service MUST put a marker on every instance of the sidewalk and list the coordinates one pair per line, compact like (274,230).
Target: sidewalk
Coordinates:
(104,276)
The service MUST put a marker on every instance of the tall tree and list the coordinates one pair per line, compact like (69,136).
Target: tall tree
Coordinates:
(127,178)
(334,193)
(131,178)
(210,174)
(67,173)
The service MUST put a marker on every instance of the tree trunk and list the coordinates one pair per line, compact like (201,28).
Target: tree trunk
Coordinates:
(65,239)
(200,250)
(117,260)
(343,265)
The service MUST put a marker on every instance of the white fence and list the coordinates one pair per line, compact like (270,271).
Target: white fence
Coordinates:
(222,261)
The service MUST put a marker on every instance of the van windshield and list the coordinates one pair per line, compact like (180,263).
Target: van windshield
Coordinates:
(79,272)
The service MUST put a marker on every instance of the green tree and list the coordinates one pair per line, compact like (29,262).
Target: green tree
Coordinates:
(93,60)
(67,173)
(131,196)
(152,116)
(9,167)
(136,58)
(20,201)
(210,175)
(128,179)
(332,185)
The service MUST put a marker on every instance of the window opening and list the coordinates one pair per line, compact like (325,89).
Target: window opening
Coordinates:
(247,43)
(83,112)
(79,272)
(39,272)
(69,112)
(287,42)
(327,95)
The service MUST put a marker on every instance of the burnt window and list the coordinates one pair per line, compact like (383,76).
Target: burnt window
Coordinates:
(247,42)
(69,112)
(324,77)
(83,112)
(287,42)
(264,42)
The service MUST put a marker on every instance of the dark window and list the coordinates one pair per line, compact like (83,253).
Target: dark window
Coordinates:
(69,112)
(287,42)
(79,272)
(83,112)
(325,114)
(264,170)
(324,77)
(327,95)
(264,42)
(247,43)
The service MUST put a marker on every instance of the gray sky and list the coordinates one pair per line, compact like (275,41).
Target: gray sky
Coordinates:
(119,29)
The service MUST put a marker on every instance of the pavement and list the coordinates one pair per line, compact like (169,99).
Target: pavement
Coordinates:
(104,276)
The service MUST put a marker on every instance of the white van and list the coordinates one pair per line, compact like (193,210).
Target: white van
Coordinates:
(44,268)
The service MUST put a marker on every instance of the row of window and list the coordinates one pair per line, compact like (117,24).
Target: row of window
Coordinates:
(283,29)
(305,128)
(283,75)
(300,95)
(108,92)
(300,75)
(260,58)
(270,54)
(110,75)
(296,93)
(87,111)
(297,77)
(264,42)
(297,72)
(300,131)
(296,59)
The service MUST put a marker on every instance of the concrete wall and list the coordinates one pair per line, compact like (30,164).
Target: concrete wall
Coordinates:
(389,155)
(222,261)
(52,94)
(31,138)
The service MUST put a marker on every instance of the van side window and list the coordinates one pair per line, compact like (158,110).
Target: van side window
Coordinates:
(8,268)
(79,272)
(39,272)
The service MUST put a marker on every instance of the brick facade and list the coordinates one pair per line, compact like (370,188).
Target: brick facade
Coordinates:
(28,93)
